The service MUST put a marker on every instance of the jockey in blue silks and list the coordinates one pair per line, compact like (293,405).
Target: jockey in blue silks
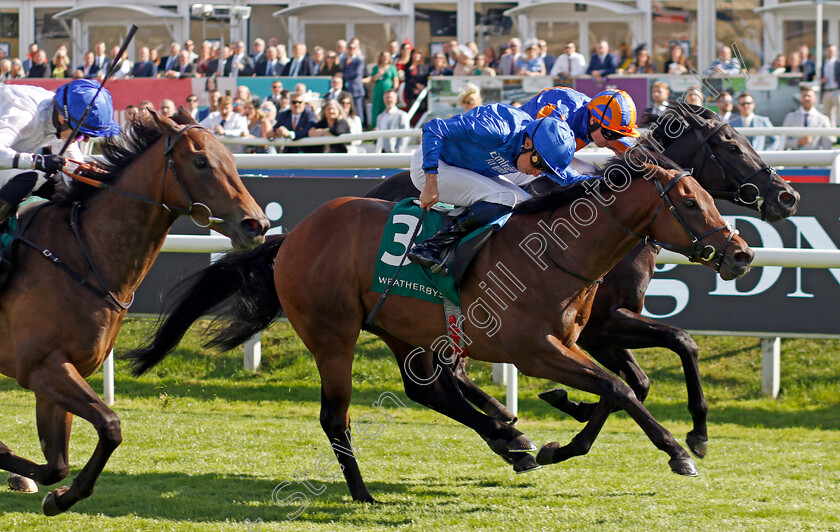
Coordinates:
(608,119)
(479,160)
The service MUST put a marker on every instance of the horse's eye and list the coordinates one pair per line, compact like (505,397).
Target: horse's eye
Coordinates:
(733,148)
(200,162)
(690,204)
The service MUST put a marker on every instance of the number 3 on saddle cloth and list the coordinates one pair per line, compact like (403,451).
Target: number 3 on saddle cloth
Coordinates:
(9,233)
(417,281)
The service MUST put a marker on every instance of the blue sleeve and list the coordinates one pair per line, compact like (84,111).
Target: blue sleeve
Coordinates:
(568,177)
(488,131)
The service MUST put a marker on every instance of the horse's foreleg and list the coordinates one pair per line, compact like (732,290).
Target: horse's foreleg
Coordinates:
(336,389)
(433,385)
(553,452)
(55,380)
(570,366)
(628,329)
(489,404)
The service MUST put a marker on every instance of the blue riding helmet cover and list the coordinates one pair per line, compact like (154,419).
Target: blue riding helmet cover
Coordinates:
(72,99)
(553,141)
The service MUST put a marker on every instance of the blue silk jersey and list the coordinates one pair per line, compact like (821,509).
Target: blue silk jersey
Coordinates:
(569,105)
(486,140)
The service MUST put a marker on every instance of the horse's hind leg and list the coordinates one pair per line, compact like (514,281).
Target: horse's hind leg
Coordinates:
(489,404)
(434,386)
(56,381)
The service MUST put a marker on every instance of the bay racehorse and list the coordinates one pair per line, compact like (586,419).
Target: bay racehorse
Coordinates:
(727,166)
(57,325)
(320,274)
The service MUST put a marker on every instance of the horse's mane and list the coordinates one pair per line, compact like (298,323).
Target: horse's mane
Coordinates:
(631,162)
(117,153)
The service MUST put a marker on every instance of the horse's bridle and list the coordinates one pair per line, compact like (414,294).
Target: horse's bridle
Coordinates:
(743,186)
(168,145)
(698,251)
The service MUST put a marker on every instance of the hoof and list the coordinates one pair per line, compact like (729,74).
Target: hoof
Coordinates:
(684,467)
(555,396)
(698,445)
(22,484)
(521,444)
(524,463)
(546,454)
(50,505)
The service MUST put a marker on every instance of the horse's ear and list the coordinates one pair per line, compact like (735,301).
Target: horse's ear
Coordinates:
(165,124)
(184,117)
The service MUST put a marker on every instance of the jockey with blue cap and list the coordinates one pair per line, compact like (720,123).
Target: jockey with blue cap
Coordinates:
(477,160)
(32,118)
(608,119)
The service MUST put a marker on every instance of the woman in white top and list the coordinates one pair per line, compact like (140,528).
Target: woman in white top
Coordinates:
(354,120)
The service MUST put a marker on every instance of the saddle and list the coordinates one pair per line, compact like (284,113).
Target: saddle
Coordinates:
(16,225)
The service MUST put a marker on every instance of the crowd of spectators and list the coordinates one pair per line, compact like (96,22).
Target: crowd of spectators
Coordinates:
(392,83)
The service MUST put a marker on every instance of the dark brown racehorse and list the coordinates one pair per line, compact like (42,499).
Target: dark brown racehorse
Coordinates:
(726,165)
(56,331)
(323,269)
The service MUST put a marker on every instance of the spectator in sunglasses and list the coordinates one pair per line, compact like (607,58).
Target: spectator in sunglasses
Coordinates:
(295,123)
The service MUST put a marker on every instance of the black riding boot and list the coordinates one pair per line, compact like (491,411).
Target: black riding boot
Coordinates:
(436,252)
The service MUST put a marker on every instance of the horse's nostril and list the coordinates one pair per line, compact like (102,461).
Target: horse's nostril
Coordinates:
(787,200)
(252,227)
(742,257)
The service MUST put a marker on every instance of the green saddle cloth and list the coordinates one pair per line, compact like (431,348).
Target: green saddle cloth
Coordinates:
(414,280)
(7,239)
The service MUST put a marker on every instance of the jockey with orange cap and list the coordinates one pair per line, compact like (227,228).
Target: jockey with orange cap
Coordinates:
(608,119)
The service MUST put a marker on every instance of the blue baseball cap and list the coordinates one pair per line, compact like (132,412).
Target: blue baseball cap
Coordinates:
(72,99)
(553,141)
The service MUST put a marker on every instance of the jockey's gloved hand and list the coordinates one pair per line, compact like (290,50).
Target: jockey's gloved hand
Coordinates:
(49,164)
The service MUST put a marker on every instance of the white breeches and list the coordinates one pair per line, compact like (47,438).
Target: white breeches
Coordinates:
(462,187)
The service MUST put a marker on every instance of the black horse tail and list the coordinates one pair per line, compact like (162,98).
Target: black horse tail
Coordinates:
(239,286)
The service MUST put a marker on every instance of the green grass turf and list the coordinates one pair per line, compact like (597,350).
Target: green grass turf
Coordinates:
(205,444)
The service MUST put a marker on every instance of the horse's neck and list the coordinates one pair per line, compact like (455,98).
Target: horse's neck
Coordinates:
(123,234)
(602,243)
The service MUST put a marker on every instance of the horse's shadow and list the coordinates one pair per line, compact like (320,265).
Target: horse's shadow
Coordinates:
(223,498)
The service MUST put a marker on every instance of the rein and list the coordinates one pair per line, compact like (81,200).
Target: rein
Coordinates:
(707,253)
(105,293)
(743,187)
(169,145)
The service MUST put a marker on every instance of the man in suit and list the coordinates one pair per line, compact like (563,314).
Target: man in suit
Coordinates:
(259,51)
(100,59)
(144,68)
(725,104)
(317,60)
(353,68)
(239,64)
(391,118)
(276,94)
(299,65)
(269,65)
(507,63)
(184,68)
(830,86)
(807,116)
(88,68)
(40,66)
(169,62)
(748,118)
(809,68)
(602,63)
(295,123)
(29,59)
(547,58)
(336,91)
